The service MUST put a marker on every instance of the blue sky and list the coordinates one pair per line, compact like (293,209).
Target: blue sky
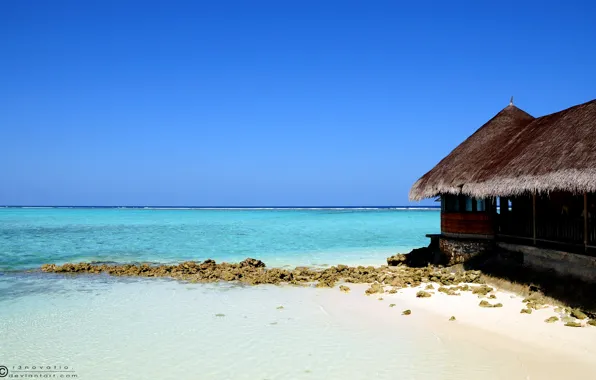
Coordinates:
(267,103)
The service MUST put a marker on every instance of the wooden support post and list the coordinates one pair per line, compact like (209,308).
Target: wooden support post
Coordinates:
(585,221)
(534,216)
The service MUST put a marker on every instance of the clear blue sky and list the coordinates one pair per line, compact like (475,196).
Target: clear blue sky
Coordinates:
(267,103)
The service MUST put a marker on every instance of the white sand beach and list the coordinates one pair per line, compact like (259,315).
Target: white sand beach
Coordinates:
(543,350)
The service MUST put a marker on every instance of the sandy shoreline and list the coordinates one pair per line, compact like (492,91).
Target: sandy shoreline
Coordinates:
(508,343)
(231,330)
(544,350)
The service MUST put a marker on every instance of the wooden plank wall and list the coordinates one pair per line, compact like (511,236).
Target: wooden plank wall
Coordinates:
(467,223)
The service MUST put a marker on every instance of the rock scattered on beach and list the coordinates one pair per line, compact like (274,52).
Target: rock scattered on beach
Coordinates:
(485,303)
(552,319)
(451,291)
(535,305)
(391,305)
(380,298)
(220,315)
(482,290)
(567,319)
(573,324)
(344,289)
(578,314)
(534,301)
(526,311)
(374,288)
(452,318)
(407,312)
(429,287)
(592,322)
(423,294)
(492,296)
(279,308)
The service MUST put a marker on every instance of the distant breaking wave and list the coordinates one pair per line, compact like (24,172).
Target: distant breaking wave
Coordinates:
(234,207)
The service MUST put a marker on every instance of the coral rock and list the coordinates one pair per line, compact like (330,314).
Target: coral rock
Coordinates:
(344,289)
(482,290)
(578,314)
(573,324)
(552,319)
(374,288)
(485,303)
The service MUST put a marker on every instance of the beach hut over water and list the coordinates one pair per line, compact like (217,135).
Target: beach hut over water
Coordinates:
(520,183)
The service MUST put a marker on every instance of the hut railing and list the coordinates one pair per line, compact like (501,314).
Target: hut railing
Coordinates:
(559,232)
(560,229)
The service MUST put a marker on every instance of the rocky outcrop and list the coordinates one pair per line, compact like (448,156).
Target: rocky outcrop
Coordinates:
(397,259)
(255,272)
(417,258)
(250,263)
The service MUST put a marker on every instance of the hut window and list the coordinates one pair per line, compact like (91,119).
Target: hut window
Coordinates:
(462,203)
(469,204)
(450,203)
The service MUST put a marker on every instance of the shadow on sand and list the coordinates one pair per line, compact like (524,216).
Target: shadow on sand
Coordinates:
(508,267)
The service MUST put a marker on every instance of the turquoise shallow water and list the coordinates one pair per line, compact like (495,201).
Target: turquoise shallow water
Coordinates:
(116,328)
(31,237)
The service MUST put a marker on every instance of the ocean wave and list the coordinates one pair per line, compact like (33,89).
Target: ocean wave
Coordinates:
(227,208)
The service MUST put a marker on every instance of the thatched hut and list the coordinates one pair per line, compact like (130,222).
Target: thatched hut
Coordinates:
(520,179)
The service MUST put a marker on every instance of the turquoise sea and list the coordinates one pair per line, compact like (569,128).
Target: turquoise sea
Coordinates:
(97,327)
(30,237)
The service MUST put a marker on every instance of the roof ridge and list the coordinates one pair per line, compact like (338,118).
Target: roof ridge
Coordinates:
(568,108)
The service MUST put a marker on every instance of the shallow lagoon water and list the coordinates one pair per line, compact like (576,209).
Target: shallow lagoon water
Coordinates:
(115,328)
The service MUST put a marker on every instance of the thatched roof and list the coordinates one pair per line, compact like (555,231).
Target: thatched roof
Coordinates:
(514,153)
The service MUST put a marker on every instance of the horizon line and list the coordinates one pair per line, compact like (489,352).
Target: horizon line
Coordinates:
(218,207)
